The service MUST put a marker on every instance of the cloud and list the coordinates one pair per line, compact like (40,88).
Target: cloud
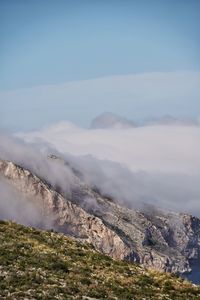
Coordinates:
(168,149)
(158,165)
(18,207)
(35,159)
(21,206)
(173,191)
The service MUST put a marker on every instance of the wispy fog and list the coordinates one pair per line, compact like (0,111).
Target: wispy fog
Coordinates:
(137,96)
(174,191)
(168,149)
(21,206)
(159,165)
(14,206)
(35,158)
(154,164)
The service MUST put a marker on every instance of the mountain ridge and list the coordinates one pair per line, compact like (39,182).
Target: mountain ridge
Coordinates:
(110,120)
(154,239)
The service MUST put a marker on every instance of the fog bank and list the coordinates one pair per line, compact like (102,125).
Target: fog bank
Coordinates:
(159,165)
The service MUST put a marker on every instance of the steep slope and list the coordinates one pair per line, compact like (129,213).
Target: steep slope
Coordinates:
(60,214)
(46,265)
(154,238)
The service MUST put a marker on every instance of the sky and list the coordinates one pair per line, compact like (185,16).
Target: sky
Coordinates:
(52,43)
(48,42)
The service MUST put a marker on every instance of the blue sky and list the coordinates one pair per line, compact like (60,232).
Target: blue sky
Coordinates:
(48,41)
(53,42)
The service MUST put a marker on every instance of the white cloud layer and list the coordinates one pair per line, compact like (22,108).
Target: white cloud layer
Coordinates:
(174,149)
(154,164)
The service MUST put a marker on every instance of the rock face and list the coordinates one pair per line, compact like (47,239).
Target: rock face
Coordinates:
(61,214)
(155,238)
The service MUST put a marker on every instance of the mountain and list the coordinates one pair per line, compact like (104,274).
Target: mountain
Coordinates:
(170,120)
(152,237)
(110,120)
(37,264)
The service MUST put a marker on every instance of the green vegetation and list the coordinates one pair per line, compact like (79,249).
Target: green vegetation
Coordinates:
(38,264)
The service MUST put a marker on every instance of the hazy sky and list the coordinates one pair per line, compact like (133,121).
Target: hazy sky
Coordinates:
(48,42)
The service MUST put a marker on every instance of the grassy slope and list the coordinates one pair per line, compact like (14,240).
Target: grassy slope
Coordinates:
(37,264)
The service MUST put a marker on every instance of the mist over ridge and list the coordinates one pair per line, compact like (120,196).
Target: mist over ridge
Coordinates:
(158,164)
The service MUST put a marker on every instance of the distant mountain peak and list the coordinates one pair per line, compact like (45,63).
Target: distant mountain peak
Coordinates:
(110,120)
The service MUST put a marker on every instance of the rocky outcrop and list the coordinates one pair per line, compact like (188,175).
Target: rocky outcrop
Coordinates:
(60,214)
(155,238)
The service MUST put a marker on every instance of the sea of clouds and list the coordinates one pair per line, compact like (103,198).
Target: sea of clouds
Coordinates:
(159,165)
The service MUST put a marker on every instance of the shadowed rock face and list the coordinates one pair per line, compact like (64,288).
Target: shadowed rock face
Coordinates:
(152,237)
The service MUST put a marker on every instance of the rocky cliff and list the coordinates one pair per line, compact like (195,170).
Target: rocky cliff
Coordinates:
(155,238)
